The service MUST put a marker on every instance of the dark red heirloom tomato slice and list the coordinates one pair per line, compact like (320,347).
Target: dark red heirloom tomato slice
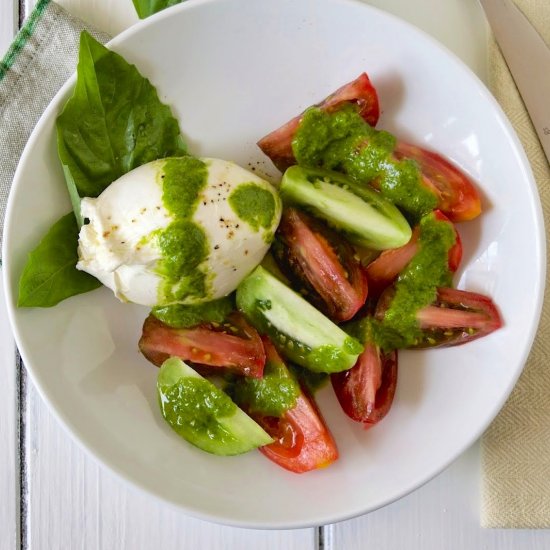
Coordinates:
(457,317)
(366,391)
(334,279)
(384,270)
(302,439)
(235,345)
(457,195)
(278,144)
(454,318)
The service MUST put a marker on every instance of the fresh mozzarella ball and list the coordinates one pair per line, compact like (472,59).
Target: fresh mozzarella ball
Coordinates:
(178,230)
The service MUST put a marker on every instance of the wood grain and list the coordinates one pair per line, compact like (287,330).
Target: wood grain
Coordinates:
(9,475)
(9,15)
(444,514)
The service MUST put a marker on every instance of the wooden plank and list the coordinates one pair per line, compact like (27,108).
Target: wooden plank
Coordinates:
(74,503)
(442,514)
(9,17)
(9,467)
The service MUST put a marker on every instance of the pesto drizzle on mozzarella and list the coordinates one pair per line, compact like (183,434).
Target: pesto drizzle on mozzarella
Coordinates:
(255,206)
(183,243)
(217,211)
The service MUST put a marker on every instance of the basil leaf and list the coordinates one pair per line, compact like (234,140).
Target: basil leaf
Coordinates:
(113,122)
(145,8)
(50,274)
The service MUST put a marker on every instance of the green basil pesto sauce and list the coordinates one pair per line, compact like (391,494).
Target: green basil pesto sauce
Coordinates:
(187,316)
(254,205)
(193,410)
(271,395)
(344,142)
(183,180)
(312,381)
(416,285)
(363,330)
(183,244)
(332,358)
(184,247)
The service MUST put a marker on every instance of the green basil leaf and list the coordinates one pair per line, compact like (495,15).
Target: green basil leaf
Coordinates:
(50,274)
(145,8)
(113,123)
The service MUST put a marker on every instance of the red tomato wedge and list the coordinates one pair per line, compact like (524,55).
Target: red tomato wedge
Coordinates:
(235,345)
(457,317)
(329,274)
(457,195)
(454,318)
(383,271)
(302,439)
(278,144)
(366,391)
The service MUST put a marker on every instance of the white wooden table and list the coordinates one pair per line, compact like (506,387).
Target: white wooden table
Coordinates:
(54,496)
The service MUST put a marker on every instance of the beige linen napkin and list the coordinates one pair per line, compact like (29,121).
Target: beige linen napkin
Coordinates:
(516,447)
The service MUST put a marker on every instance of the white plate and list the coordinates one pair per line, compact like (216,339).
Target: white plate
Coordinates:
(234,70)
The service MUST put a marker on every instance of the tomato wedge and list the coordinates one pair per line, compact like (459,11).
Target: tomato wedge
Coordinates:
(457,317)
(457,195)
(454,318)
(325,267)
(278,144)
(302,439)
(234,345)
(383,271)
(366,391)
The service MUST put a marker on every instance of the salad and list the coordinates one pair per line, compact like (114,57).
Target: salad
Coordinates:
(260,292)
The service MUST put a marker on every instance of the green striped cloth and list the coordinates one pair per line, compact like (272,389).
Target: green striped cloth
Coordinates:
(41,58)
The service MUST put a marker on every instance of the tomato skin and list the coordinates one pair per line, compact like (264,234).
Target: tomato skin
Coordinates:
(278,144)
(455,252)
(457,195)
(383,271)
(303,442)
(334,279)
(242,353)
(458,317)
(302,439)
(366,391)
(454,318)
